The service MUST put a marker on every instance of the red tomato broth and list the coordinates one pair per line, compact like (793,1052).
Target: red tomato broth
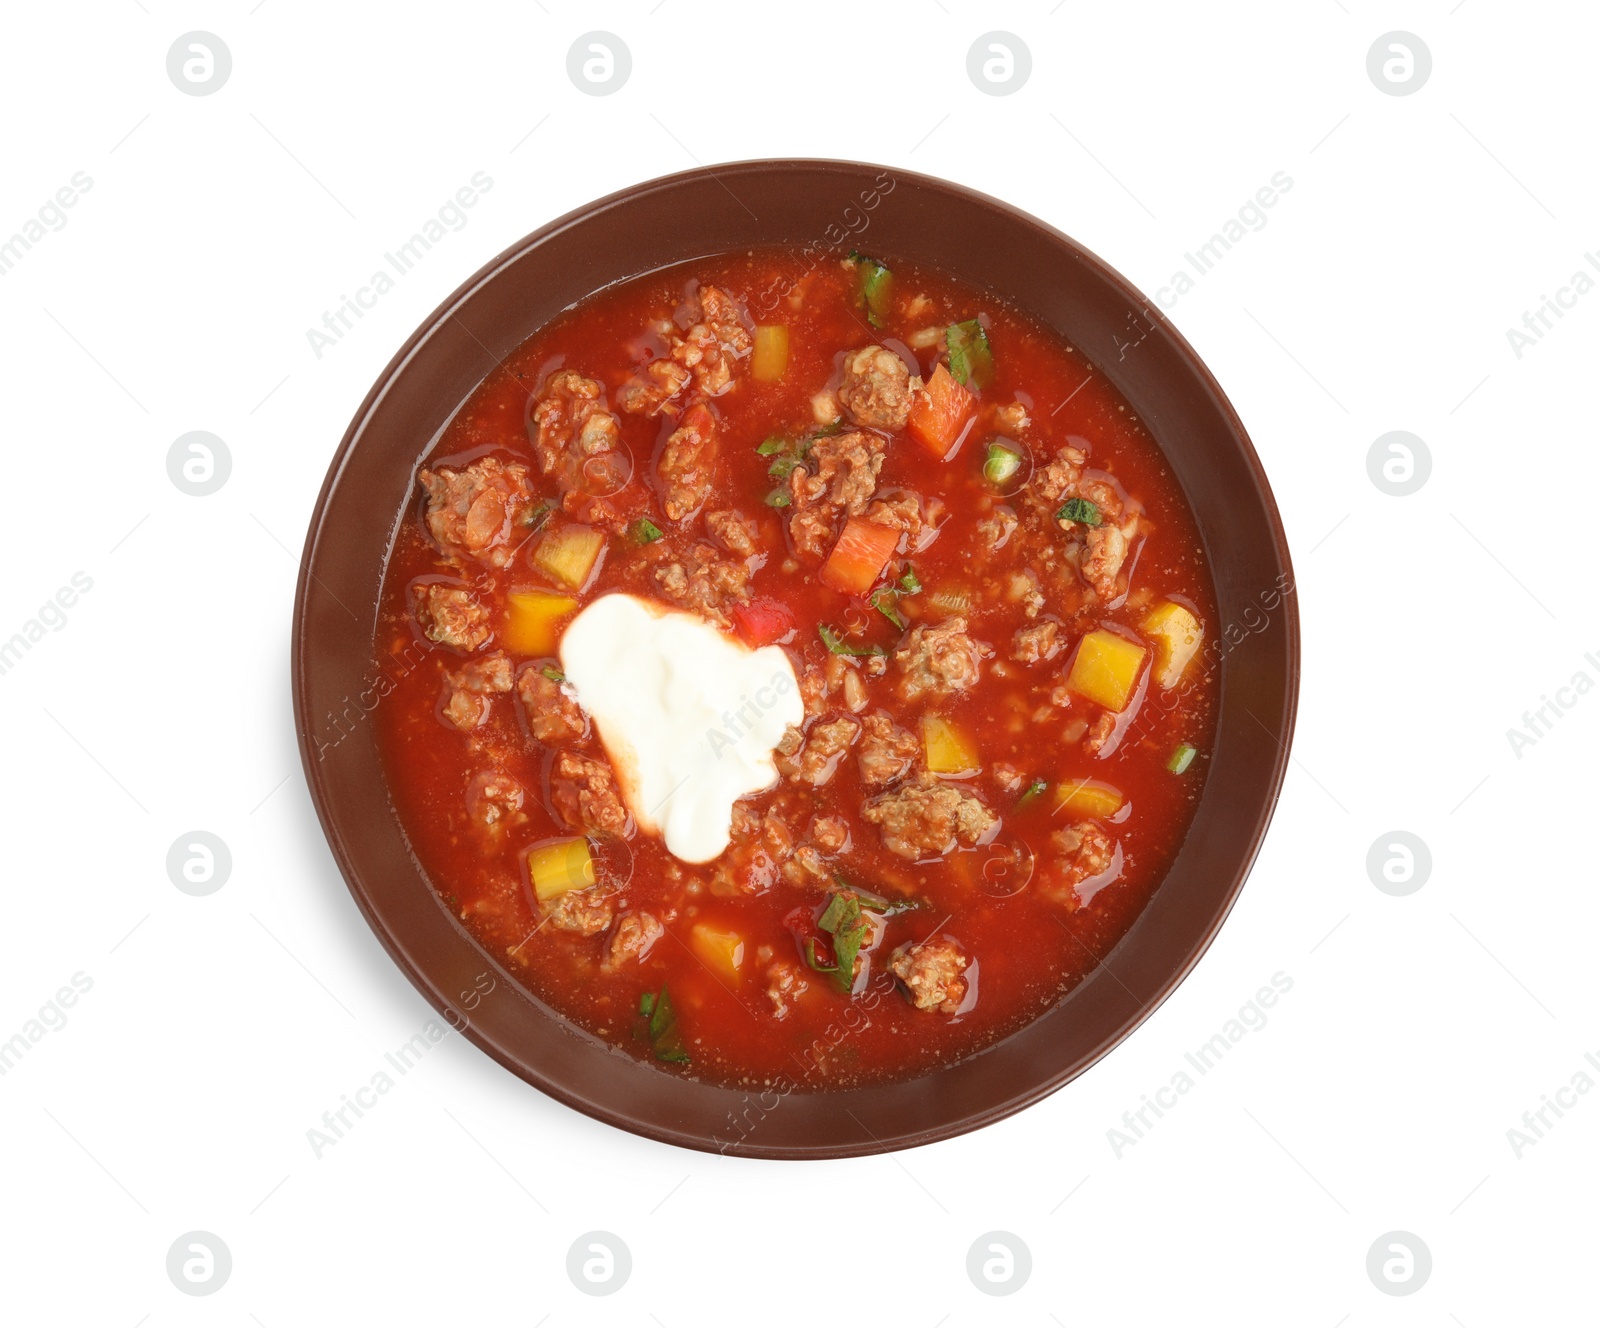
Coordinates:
(1029,949)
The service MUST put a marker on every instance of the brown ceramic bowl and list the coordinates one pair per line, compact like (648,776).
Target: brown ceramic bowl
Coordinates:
(831,205)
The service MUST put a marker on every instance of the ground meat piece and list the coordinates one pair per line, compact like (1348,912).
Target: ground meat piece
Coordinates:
(776,837)
(572,423)
(887,751)
(1052,483)
(996,529)
(843,468)
(1008,777)
(933,973)
(1105,549)
(807,867)
(785,982)
(631,941)
(552,715)
(1086,851)
(876,391)
(1022,587)
(1099,733)
(791,742)
(925,817)
(825,745)
(480,512)
(1103,494)
(715,341)
(1011,419)
(814,689)
(585,795)
(811,529)
(471,689)
(937,660)
(1033,644)
(494,799)
(736,532)
(903,511)
(649,391)
(585,912)
(688,464)
(706,582)
(829,833)
(761,845)
(453,616)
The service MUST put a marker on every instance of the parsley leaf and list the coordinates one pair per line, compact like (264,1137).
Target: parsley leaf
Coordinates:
(839,646)
(645,531)
(1079,509)
(969,354)
(843,920)
(661,1027)
(885,602)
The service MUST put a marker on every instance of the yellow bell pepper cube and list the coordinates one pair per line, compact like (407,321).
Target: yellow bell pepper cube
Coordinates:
(1088,797)
(1177,638)
(946,749)
(1106,668)
(533,621)
(569,553)
(559,865)
(771,354)
(722,951)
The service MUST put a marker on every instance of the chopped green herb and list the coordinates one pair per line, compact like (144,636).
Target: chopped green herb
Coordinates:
(645,531)
(839,646)
(536,518)
(969,354)
(1182,759)
(786,454)
(1032,791)
(553,673)
(836,425)
(885,602)
(873,280)
(661,1027)
(877,903)
(909,585)
(1079,509)
(1001,464)
(844,920)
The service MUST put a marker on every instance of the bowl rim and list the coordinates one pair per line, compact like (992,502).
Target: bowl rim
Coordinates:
(1250,845)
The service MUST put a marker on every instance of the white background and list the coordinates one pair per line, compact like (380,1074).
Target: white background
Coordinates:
(218,1030)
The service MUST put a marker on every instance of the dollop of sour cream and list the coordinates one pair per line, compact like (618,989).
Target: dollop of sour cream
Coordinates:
(688,716)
